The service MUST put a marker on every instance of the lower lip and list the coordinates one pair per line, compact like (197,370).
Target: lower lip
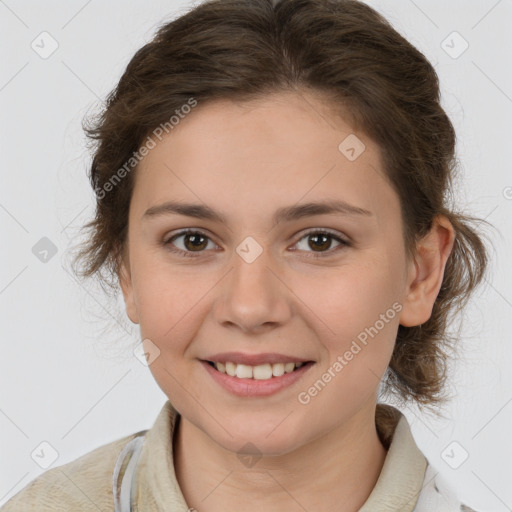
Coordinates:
(255,387)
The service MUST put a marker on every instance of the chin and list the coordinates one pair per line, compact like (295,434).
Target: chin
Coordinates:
(255,448)
(253,440)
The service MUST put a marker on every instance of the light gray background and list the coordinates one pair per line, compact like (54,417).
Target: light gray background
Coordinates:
(67,381)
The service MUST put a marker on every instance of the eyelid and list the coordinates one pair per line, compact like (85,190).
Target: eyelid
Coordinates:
(327,231)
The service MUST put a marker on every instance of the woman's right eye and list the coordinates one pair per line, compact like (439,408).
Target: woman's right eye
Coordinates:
(192,242)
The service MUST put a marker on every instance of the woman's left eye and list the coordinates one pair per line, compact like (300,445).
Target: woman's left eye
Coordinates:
(196,242)
(322,240)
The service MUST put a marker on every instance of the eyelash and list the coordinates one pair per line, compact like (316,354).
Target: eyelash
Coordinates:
(190,254)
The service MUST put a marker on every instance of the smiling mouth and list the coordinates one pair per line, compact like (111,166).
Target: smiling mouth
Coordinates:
(265,371)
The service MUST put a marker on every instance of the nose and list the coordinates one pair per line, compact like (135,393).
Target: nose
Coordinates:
(254,296)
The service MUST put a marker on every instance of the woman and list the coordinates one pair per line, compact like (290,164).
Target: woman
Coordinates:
(271,184)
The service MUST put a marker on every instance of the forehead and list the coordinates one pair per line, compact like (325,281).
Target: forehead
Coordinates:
(283,148)
(295,124)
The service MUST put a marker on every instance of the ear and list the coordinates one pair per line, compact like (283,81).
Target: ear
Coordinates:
(426,272)
(125,281)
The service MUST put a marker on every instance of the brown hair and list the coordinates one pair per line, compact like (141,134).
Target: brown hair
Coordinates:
(349,54)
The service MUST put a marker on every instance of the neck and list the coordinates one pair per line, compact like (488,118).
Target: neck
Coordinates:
(341,467)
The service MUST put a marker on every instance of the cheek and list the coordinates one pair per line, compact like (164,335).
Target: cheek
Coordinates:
(170,302)
(358,305)
(363,318)
(161,296)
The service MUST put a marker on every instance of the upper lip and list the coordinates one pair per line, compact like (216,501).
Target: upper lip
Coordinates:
(254,359)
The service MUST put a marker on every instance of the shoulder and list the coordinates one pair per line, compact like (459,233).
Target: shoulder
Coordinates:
(83,484)
(436,494)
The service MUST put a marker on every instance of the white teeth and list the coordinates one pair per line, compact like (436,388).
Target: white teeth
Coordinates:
(230,369)
(261,372)
(278,369)
(243,371)
(289,367)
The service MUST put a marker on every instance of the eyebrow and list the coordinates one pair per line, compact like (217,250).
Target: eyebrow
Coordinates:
(286,214)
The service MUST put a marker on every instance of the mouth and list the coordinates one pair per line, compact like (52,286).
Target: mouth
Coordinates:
(256,381)
(264,371)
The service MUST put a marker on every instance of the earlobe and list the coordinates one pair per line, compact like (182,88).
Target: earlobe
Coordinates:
(426,272)
(125,281)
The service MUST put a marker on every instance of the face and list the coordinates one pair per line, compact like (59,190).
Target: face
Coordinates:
(271,276)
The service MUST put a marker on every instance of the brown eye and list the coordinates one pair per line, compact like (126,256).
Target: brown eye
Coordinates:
(188,242)
(320,242)
(194,241)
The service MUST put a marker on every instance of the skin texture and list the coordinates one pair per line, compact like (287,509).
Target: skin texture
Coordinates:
(246,160)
